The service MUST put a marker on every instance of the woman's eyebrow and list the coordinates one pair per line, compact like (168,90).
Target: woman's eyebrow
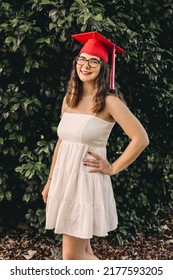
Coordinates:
(89,58)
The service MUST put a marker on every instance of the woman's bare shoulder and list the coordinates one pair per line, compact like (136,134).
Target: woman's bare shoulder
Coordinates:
(113,100)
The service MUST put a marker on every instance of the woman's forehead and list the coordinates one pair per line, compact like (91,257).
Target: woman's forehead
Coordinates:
(88,56)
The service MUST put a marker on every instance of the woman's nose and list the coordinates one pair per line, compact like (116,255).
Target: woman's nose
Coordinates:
(86,64)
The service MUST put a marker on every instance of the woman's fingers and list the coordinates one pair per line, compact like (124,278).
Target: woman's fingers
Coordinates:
(98,164)
(94,155)
(90,162)
(96,161)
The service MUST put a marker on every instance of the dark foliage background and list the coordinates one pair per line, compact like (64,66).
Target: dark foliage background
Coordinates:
(36,53)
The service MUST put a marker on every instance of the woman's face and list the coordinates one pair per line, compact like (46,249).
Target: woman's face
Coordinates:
(88,67)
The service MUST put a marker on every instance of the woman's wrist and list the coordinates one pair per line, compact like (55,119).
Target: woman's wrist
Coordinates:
(114,170)
(111,170)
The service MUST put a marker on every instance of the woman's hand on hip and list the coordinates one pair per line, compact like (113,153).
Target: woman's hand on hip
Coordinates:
(98,164)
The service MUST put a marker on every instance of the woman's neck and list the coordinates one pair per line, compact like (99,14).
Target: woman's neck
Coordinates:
(88,89)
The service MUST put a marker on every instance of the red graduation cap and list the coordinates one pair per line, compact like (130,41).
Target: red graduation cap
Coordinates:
(97,45)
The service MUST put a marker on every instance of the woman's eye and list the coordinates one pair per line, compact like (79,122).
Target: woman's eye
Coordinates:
(93,62)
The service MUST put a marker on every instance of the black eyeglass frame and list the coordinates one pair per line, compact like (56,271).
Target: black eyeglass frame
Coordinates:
(87,60)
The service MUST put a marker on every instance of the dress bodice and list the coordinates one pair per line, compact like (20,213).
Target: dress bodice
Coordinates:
(85,129)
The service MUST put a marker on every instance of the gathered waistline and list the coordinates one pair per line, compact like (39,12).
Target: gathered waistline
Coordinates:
(82,144)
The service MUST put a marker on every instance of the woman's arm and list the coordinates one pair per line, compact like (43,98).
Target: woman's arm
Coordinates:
(134,130)
(54,159)
(47,186)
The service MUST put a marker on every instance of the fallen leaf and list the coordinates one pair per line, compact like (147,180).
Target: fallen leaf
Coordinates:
(169,241)
(30,254)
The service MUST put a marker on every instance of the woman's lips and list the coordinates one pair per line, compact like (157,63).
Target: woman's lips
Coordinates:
(85,72)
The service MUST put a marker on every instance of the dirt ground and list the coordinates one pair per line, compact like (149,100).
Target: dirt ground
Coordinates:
(23,243)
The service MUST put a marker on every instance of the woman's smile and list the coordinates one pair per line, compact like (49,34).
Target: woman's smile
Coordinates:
(84,72)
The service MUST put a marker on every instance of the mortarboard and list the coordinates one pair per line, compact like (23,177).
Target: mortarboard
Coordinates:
(98,45)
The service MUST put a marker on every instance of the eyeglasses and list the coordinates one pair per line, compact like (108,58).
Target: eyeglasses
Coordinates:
(92,62)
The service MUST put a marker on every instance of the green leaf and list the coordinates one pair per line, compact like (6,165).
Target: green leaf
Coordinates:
(26,197)
(14,107)
(37,29)
(43,40)
(14,22)
(35,65)
(46,2)
(1,141)
(52,25)
(14,99)
(38,165)
(21,138)
(30,165)
(26,103)
(1,196)
(41,219)
(47,41)
(8,195)
(40,212)
(152,24)
(98,17)
(4,25)
(28,173)
(19,169)
(25,27)
(6,6)
(37,102)
(12,136)
(10,39)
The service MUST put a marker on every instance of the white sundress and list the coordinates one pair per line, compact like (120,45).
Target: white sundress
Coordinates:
(80,203)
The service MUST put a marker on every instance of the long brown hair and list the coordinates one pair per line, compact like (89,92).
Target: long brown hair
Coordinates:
(74,88)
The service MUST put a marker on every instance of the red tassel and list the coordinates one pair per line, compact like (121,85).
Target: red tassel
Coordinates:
(112,74)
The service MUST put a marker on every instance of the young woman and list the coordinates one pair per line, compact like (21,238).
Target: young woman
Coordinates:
(78,193)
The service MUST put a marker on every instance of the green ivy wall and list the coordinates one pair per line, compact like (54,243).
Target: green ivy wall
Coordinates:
(36,53)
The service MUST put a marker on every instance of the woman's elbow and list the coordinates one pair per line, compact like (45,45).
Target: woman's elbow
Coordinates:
(144,141)
(141,141)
